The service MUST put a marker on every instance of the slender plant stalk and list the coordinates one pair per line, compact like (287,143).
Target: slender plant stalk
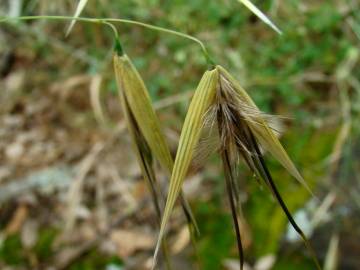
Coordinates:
(108,21)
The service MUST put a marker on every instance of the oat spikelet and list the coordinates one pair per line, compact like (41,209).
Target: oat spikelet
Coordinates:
(190,133)
(137,96)
(144,126)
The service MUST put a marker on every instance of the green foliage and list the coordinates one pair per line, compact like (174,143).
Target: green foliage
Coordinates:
(297,263)
(217,235)
(11,252)
(94,260)
(43,247)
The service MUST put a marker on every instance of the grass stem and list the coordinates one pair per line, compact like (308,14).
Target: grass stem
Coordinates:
(109,21)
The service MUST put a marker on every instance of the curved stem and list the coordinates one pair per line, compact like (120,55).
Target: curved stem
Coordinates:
(169,31)
(108,21)
(113,28)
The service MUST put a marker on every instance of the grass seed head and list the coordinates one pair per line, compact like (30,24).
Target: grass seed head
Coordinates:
(220,102)
(145,159)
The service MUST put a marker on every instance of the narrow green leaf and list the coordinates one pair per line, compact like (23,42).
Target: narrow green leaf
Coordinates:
(80,7)
(260,14)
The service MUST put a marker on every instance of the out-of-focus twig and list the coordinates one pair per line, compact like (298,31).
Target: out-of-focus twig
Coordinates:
(47,180)
(342,77)
(74,195)
(332,255)
(95,85)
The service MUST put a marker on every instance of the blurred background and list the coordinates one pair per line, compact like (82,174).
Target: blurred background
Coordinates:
(71,192)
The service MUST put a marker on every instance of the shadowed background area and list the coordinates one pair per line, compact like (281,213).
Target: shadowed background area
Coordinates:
(71,191)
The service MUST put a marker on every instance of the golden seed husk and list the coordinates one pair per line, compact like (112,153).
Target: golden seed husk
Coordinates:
(137,96)
(190,133)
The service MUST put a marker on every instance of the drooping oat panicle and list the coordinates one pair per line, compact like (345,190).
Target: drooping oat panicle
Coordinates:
(190,133)
(220,103)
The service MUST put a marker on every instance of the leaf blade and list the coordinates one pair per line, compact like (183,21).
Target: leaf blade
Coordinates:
(80,7)
(260,15)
